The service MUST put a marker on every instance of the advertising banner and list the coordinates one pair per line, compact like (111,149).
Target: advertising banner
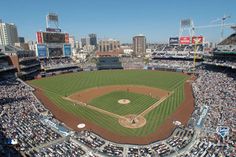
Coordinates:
(66,38)
(39,38)
(67,50)
(53,30)
(41,51)
(173,41)
(197,40)
(184,40)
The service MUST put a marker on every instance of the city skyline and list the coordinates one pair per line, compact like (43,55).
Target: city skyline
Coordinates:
(121,20)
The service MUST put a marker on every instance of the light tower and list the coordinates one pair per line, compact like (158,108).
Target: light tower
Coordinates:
(195,53)
(222,22)
(52,21)
(186,25)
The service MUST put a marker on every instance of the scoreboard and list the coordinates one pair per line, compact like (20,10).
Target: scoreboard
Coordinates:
(52,37)
(53,44)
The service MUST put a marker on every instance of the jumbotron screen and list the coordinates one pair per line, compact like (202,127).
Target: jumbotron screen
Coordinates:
(55,52)
(53,37)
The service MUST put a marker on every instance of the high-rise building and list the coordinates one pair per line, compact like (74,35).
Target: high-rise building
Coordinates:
(139,45)
(8,34)
(72,41)
(93,39)
(108,45)
(21,40)
(85,41)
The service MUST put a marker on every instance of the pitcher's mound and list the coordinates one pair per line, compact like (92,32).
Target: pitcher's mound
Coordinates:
(132,121)
(124,101)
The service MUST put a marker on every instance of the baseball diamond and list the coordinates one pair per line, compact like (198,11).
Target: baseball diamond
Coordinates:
(92,98)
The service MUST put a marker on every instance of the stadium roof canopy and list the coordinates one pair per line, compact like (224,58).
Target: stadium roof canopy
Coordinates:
(231,40)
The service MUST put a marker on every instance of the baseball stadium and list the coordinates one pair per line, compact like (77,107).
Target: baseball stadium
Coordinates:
(125,106)
(61,97)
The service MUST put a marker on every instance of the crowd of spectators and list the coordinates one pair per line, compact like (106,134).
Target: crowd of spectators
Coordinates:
(173,64)
(160,47)
(215,90)
(162,149)
(28,63)
(56,62)
(173,54)
(132,63)
(64,148)
(209,148)
(169,48)
(21,116)
(90,140)
(113,150)
(178,140)
(222,62)
(19,119)
(178,48)
(189,48)
(3,64)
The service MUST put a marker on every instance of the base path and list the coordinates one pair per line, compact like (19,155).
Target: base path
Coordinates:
(154,105)
(94,108)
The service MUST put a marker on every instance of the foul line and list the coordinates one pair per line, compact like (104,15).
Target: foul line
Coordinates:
(94,108)
(146,111)
(155,105)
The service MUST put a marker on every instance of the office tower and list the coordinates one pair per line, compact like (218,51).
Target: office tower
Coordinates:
(93,39)
(139,45)
(109,45)
(8,34)
(72,41)
(21,40)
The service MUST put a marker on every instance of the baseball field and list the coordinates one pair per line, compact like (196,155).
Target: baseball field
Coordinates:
(116,103)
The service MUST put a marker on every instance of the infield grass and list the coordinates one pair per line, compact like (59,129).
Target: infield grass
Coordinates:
(109,102)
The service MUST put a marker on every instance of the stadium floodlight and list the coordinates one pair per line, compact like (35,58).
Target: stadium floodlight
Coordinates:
(222,21)
(52,20)
(52,17)
(186,25)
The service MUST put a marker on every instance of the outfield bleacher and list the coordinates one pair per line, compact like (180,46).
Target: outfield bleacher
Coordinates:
(104,63)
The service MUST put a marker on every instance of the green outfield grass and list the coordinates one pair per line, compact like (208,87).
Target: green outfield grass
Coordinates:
(109,102)
(57,87)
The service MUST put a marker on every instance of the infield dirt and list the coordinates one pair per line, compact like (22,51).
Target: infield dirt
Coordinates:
(87,95)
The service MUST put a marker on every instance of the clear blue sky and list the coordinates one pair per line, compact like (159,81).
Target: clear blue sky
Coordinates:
(119,19)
